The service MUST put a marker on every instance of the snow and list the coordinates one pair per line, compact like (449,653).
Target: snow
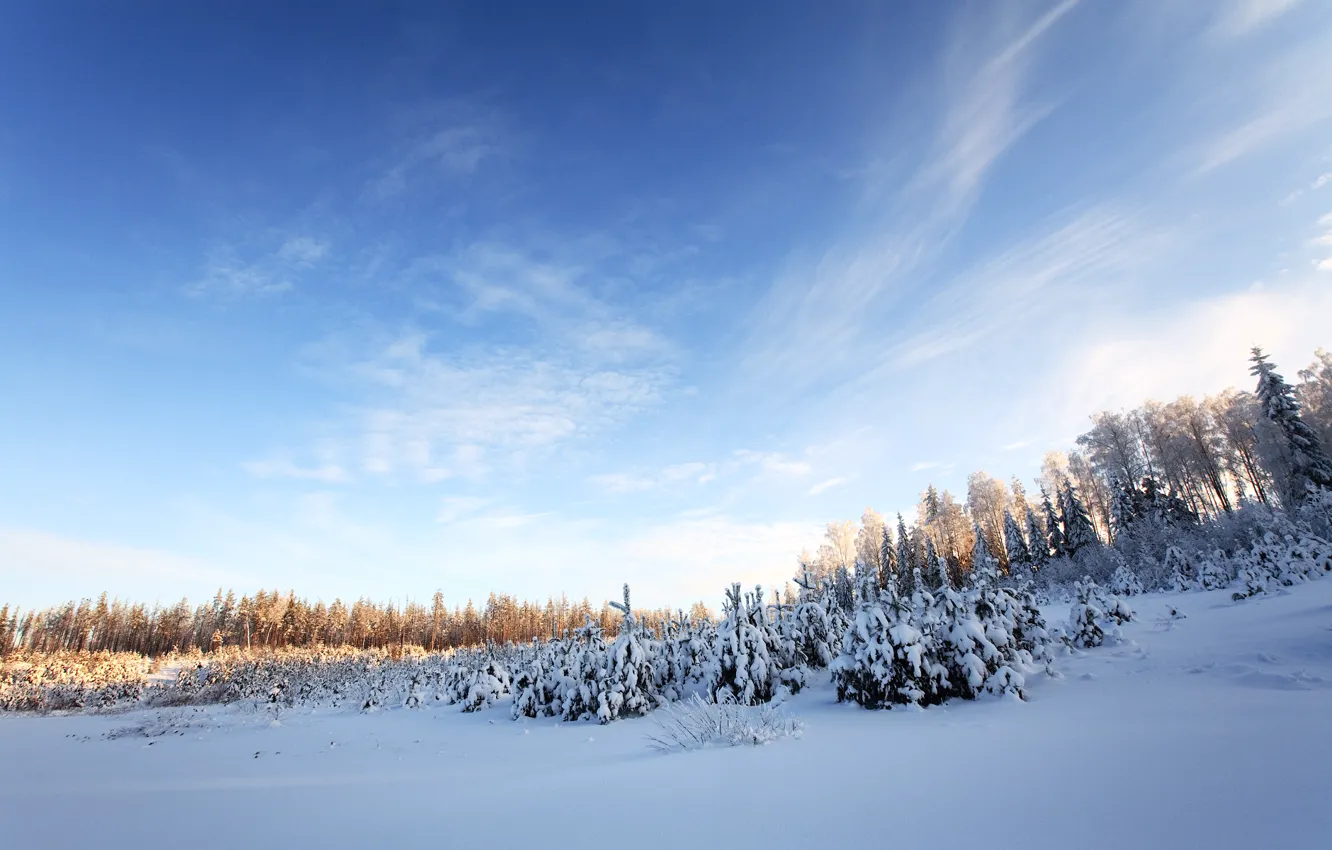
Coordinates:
(1209,733)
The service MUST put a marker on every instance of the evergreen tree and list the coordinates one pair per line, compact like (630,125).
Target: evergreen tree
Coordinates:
(907,566)
(883,660)
(1019,558)
(1054,534)
(1037,546)
(1079,533)
(1310,468)
(627,689)
(887,558)
(746,674)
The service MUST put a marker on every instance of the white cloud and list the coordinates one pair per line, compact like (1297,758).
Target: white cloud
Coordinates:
(454,508)
(451,414)
(636,482)
(302,251)
(921,466)
(284,468)
(256,268)
(1270,102)
(826,485)
(1238,18)
(48,568)
(822,317)
(1199,347)
(774,462)
(448,141)
(1095,250)
(1324,265)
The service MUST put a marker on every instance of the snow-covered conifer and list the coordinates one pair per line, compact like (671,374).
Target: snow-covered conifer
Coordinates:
(883,660)
(1054,534)
(1309,467)
(1079,533)
(1181,572)
(627,685)
(1125,582)
(1037,545)
(746,674)
(1019,557)
(1084,619)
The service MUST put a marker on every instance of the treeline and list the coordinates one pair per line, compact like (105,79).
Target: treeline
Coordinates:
(1138,483)
(273,620)
(1137,478)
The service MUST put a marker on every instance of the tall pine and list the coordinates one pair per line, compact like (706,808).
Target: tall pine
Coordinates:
(1310,467)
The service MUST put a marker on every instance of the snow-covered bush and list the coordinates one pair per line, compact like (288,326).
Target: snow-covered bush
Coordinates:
(1084,627)
(627,686)
(1125,582)
(695,723)
(745,670)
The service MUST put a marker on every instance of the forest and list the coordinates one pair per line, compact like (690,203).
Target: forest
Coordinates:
(1160,488)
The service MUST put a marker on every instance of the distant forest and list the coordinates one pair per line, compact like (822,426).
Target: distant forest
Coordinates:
(1190,460)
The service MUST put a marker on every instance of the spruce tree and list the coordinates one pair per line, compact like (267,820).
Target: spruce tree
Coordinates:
(1037,547)
(627,689)
(1079,533)
(1054,534)
(1310,467)
(1019,558)
(907,566)
(887,558)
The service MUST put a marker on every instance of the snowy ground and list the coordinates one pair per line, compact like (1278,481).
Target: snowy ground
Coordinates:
(1212,734)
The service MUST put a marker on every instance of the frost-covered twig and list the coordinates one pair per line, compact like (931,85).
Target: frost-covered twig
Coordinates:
(696,723)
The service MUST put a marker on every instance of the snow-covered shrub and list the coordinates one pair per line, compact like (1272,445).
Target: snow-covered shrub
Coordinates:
(579,690)
(1183,577)
(883,660)
(1215,571)
(627,686)
(1084,628)
(695,724)
(489,683)
(1125,582)
(744,655)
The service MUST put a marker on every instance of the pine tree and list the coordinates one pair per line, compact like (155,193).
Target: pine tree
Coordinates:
(887,558)
(907,567)
(883,661)
(1310,467)
(1037,547)
(1079,533)
(1084,626)
(627,689)
(812,630)
(746,674)
(1019,558)
(1054,534)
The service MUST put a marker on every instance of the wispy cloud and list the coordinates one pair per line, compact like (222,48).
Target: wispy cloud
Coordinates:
(285,468)
(75,568)
(1274,100)
(1238,18)
(774,462)
(826,485)
(255,267)
(1025,284)
(635,482)
(819,318)
(440,141)
(447,413)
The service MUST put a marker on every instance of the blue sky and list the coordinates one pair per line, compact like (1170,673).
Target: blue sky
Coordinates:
(549,297)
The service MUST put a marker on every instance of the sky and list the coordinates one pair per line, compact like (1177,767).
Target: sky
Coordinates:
(374,299)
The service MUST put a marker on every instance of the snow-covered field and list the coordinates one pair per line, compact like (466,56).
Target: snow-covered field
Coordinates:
(1213,733)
